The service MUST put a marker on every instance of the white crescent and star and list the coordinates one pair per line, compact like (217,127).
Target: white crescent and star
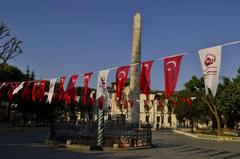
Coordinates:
(146,66)
(86,77)
(171,62)
(121,75)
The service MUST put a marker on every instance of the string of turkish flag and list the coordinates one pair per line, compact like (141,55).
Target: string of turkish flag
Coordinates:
(209,58)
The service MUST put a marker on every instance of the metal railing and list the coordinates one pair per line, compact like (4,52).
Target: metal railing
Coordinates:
(112,130)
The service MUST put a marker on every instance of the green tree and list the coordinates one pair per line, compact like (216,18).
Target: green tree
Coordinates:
(229,100)
(11,73)
(28,73)
(196,88)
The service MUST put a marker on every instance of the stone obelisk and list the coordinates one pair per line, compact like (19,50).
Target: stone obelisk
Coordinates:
(135,70)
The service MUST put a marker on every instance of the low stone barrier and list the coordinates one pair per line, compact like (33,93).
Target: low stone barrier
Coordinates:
(208,137)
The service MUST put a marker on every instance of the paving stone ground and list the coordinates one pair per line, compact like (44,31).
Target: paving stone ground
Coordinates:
(29,143)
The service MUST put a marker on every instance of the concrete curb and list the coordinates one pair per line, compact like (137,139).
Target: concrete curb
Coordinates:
(88,147)
(22,128)
(208,137)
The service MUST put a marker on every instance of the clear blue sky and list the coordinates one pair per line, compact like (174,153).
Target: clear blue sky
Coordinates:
(65,37)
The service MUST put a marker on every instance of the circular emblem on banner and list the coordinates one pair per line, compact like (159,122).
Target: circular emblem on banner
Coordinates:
(209,59)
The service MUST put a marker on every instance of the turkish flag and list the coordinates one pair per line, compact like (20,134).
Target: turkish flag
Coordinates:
(188,101)
(60,88)
(171,69)
(34,91)
(10,91)
(100,102)
(4,90)
(41,90)
(175,104)
(160,103)
(87,77)
(121,78)
(26,91)
(145,82)
(125,104)
(92,102)
(70,91)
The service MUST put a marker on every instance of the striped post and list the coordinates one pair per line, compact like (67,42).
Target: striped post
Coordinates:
(100,118)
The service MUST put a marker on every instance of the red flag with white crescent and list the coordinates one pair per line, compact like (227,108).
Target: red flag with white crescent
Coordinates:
(10,91)
(2,89)
(175,104)
(145,82)
(171,69)
(26,91)
(121,78)
(34,91)
(160,103)
(87,77)
(70,91)
(41,90)
(60,88)
(189,101)
(92,102)
(125,104)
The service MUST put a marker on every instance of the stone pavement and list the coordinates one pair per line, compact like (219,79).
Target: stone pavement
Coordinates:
(29,143)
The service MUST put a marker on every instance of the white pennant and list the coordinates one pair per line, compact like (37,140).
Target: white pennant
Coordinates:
(16,90)
(210,59)
(102,85)
(51,90)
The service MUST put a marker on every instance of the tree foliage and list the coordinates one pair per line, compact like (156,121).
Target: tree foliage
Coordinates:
(11,73)
(223,110)
(229,100)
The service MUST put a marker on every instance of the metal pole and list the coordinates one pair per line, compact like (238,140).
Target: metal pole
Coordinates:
(100,127)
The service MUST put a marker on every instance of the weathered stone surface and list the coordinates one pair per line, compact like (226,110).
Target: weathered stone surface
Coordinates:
(135,69)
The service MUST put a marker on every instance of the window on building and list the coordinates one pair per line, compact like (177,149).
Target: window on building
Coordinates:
(158,108)
(158,119)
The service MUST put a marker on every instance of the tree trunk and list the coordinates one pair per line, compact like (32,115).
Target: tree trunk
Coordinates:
(218,124)
(214,111)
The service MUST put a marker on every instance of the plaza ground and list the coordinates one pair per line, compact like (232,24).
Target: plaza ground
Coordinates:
(29,143)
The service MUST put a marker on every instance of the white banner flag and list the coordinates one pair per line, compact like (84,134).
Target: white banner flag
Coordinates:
(210,59)
(18,88)
(102,85)
(51,90)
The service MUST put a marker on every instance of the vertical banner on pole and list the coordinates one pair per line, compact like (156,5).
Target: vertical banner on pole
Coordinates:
(102,98)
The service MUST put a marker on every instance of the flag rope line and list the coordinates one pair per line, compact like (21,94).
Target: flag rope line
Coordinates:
(157,59)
